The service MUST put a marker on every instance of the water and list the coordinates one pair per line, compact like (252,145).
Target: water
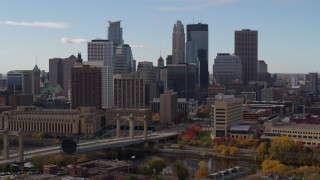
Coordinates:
(191,161)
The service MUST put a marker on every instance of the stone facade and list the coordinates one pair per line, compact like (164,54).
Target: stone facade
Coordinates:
(83,120)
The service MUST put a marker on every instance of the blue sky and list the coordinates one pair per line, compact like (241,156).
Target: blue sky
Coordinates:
(36,30)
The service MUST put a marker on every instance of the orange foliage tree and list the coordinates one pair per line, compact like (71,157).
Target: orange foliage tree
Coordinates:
(202,171)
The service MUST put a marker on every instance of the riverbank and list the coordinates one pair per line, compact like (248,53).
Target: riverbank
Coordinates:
(244,154)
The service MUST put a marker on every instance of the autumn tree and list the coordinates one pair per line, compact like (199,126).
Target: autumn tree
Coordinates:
(180,170)
(233,151)
(202,171)
(156,117)
(82,158)
(280,148)
(274,166)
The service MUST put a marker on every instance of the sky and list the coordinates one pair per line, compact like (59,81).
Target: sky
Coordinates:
(33,31)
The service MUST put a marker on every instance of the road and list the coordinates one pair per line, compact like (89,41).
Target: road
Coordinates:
(95,144)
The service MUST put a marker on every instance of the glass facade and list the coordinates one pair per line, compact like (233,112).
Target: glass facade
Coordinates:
(182,78)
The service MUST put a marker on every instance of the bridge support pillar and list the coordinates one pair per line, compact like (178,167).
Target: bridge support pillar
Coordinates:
(5,145)
(118,126)
(21,154)
(145,131)
(131,127)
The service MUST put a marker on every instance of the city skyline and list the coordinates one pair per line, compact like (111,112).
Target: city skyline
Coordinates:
(38,31)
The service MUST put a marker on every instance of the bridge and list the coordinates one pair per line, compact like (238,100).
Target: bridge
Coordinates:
(96,144)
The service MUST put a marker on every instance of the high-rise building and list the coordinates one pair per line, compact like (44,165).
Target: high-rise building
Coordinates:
(228,112)
(100,54)
(129,91)
(168,108)
(169,59)
(197,50)
(313,82)
(122,59)
(60,72)
(262,66)
(85,86)
(115,32)
(226,69)
(147,71)
(183,79)
(160,62)
(263,74)
(134,66)
(23,81)
(246,46)
(178,43)
(101,50)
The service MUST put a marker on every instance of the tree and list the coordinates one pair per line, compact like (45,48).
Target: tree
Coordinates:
(156,117)
(157,166)
(82,158)
(233,151)
(225,150)
(180,170)
(280,148)
(144,169)
(37,162)
(202,171)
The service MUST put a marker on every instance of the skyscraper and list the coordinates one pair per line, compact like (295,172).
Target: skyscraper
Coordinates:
(178,43)
(115,32)
(85,86)
(100,50)
(60,72)
(246,46)
(183,78)
(226,69)
(313,82)
(197,50)
(129,91)
(100,54)
(123,59)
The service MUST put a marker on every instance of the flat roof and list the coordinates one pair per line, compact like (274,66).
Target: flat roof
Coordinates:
(293,126)
(243,128)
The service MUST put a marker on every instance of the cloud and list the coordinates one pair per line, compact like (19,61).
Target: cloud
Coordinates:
(65,40)
(189,5)
(139,46)
(45,24)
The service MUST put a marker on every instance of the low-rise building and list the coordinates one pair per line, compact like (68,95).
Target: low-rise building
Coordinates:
(308,134)
(83,120)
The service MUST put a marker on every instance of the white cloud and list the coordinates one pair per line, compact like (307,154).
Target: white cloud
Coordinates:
(45,24)
(139,46)
(65,40)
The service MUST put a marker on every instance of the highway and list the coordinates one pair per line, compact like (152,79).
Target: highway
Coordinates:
(95,144)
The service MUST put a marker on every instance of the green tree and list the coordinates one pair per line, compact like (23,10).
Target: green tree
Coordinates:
(180,170)
(37,162)
(157,166)
(144,169)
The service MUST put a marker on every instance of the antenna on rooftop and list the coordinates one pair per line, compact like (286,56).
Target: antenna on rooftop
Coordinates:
(201,20)
(192,19)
